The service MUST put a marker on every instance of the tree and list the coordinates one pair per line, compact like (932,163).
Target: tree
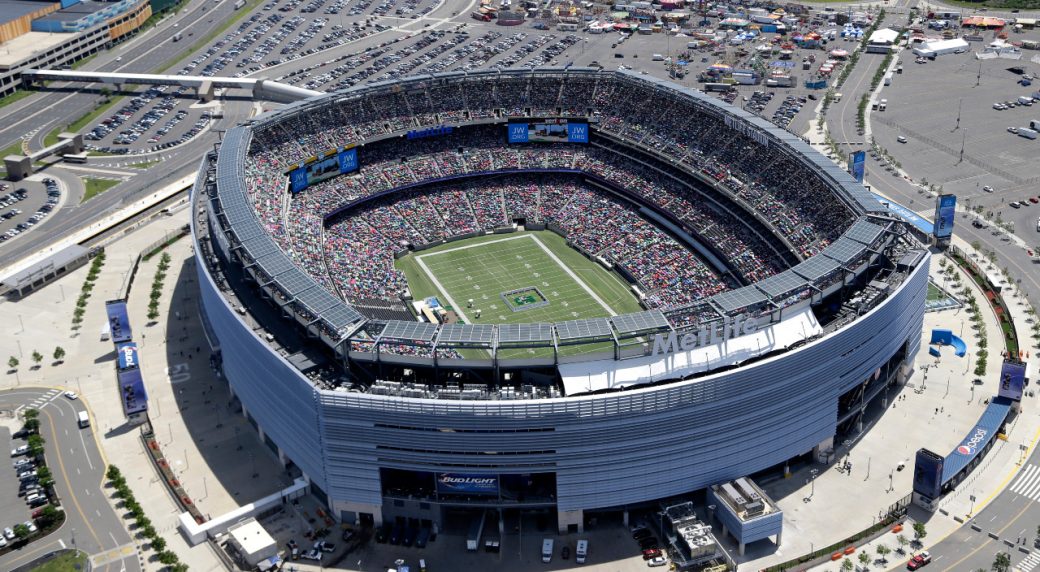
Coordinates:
(158,544)
(179,567)
(21,531)
(113,472)
(49,515)
(864,558)
(919,532)
(883,551)
(1001,562)
(903,541)
(35,443)
(12,362)
(167,557)
(31,413)
(847,565)
(59,354)
(37,357)
(32,426)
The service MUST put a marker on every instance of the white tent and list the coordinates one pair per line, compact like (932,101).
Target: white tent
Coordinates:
(943,47)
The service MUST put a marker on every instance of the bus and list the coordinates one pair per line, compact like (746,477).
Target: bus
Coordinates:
(717,87)
(74,158)
(84,419)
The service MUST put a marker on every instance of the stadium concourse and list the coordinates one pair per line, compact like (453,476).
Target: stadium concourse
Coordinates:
(763,269)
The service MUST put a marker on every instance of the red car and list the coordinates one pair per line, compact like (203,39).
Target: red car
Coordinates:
(919,561)
(651,553)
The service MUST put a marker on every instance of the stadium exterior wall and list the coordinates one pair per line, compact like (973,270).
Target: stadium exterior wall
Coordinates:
(607,450)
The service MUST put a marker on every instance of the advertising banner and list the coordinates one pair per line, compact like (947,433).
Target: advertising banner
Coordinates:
(928,469)
(118,321)
(126,356)
(858,162)
(1012,380)
(945,211)
(325,166)
(131,387)
(298,179)
(549,131)
(467,484)
(347,160)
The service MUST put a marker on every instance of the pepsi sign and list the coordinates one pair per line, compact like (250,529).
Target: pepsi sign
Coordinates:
(467,483)
(970,446)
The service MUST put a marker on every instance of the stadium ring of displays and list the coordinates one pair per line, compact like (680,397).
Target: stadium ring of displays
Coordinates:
(674,436)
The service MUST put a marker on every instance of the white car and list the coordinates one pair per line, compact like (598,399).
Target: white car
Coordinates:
(8,533)
(312,555)
(656,561)
(19,450)
(30,525)
(987,189)
(72,395)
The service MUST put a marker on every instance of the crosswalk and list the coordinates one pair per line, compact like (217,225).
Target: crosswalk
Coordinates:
(1028,563)
(43,399)
(1028,483)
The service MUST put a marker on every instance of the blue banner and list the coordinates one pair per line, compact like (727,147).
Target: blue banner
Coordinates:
(467,483)
(578,132)
(859,165)
(945,211)
(298,179)
(126,356)
(347,160)
(118,321)
(928,470)
(1012,380)
(131,387)
(518,133)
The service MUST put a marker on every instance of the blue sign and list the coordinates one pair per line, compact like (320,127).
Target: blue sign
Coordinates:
(131,387)
(859,165)
(578,132)
(518,133)
(467,483)
(907,214)
(347,161)
(118,321)
(928,470)
(430,132)
(298,179)
(126,356)
(1012,380)
(945,211)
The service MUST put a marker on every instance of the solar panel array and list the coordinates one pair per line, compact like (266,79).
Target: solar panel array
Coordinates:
(409,331)
(782,285)
(736,300)
(524,333)
(466,334)
(640,322)
(816,267)
(580,329)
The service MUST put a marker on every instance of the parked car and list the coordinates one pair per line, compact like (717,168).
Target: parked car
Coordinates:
(919,561)
(656,561)
(313,555)
(21,450)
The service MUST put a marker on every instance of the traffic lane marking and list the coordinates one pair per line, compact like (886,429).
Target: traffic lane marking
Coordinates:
(68,482)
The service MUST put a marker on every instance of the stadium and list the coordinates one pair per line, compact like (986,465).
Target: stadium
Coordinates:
(572,292)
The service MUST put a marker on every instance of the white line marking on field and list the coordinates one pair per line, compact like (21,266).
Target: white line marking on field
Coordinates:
(573,276)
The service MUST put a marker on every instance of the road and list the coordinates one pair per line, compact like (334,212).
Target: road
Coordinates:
(1013,517)
(74,458)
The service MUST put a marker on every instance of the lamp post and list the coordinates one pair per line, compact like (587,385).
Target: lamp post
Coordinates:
(812,481)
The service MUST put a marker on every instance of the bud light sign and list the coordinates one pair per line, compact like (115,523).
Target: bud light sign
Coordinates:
(126,354)
(467,484)
(971,445)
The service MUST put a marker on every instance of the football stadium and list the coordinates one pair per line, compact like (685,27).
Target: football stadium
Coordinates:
(564,291)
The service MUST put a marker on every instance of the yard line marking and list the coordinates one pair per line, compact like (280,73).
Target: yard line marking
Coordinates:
(573,276)
(477,245)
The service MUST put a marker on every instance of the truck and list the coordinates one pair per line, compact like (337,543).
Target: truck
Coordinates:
(1034,124)
(106,331)
(476,530)
(581,552)
(547,550)
(1027,133)
(1025,100)
(177,37)
(882,105)
(84,419)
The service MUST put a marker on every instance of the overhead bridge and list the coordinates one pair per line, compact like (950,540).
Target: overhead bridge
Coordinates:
(259,89)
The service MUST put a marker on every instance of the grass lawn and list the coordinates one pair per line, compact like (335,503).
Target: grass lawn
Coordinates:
(67,562)
(539,264)
(934,293)
(96,186)
(16,96)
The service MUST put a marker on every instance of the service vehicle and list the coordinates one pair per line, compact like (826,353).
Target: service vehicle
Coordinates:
(547,550)
(919,561)
(581,551)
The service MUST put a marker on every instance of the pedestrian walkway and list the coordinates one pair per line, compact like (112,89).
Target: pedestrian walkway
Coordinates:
(1028,483)
(1030,562)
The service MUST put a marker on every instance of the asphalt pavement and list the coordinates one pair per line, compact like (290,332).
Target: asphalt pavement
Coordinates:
(77,464)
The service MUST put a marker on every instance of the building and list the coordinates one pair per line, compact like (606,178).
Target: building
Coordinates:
(252,542)
(387,422)
(881,41)
(45,35)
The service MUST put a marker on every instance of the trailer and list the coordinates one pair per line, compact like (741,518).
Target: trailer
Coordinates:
(1027,132)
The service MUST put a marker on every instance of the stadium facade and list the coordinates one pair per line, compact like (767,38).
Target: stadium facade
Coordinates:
(763,374)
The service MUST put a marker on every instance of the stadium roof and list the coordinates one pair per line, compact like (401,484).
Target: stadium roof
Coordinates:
(816,267)
(736,300)
(844,250)
(864,231)
(409,331)
(11,10)
(782,284)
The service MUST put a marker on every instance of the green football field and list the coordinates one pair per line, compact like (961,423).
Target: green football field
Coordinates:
(487,268)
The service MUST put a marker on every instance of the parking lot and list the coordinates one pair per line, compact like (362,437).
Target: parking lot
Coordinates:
(13,491)
(26,204)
